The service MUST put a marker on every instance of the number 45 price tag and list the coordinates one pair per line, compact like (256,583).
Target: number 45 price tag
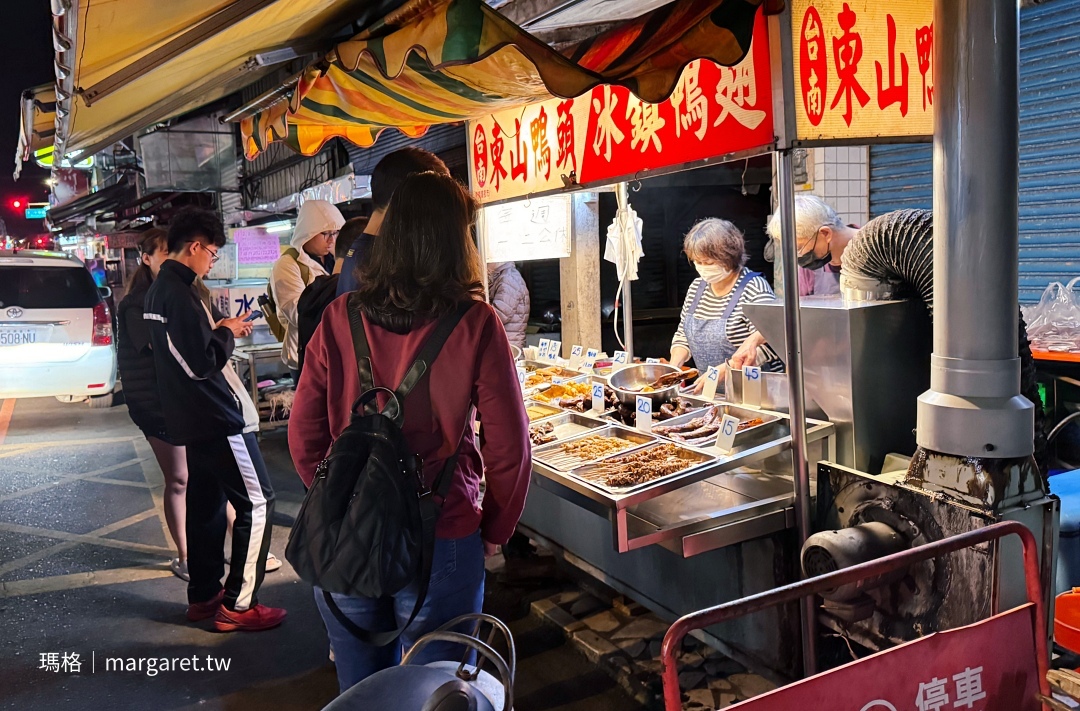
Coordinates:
(729,427)
(644,413)
(752,386)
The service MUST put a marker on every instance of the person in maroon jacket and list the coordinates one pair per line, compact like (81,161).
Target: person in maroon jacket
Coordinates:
(423,264)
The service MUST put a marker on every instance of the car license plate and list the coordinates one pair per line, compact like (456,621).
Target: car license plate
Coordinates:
(17,336)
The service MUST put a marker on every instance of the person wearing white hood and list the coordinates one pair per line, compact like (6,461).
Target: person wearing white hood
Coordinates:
(317,226)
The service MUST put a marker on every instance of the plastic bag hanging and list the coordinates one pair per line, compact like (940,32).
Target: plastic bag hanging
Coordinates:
(624,251)
(623,247)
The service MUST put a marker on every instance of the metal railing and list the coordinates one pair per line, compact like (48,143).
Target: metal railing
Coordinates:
(813,586)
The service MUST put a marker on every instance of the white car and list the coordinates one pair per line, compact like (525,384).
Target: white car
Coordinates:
(56,334)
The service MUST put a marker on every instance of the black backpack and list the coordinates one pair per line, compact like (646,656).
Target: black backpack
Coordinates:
(313,300)
(367,524)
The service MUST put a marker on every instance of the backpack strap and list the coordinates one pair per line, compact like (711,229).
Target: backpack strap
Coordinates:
(305,270)
(362,351)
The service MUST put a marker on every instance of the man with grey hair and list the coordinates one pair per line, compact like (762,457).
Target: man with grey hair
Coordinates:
(821,237)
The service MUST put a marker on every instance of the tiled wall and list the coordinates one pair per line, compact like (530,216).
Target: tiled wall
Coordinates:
(840,176)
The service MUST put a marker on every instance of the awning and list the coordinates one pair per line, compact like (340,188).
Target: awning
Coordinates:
(443,61)
(37,117)
(133,63)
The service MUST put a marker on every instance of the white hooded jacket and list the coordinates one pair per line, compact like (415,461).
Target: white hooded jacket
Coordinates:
(286,281)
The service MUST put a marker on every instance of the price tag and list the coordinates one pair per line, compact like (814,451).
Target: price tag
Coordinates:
(751,391)
(620,358)
(554,350)
(576,356)
(644,413)
(590,357)
(712,379)
(652,361)
(557,380)
(598,404)
(545,344)
(521,377)
(725,438)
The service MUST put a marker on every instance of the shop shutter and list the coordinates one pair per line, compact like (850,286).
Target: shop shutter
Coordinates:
(900,176)
(446,141)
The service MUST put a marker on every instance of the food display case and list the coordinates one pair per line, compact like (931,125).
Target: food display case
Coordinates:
(672,486)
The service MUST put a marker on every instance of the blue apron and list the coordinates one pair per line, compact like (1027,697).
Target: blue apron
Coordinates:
(709,344)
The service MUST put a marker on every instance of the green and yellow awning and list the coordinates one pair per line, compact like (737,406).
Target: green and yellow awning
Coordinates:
(444,61)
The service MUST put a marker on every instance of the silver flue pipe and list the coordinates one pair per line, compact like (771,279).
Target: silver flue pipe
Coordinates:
(785,198)
(974,407)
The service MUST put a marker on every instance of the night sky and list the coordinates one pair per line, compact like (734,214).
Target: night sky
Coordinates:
(27,60)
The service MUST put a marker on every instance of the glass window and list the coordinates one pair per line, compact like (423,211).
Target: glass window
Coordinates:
(32,287)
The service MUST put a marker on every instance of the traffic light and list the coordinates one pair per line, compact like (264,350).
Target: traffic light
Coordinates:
(18,203)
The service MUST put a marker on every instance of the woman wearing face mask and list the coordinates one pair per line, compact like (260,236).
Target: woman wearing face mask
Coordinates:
(713,329)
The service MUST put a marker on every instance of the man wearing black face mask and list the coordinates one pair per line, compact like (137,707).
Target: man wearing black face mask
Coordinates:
(822,238)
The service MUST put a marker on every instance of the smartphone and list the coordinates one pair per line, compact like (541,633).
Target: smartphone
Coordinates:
(252,316)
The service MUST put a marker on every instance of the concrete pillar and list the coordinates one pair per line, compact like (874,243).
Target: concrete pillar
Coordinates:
(579,276)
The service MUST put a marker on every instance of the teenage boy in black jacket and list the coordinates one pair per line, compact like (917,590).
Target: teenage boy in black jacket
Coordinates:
(204,413)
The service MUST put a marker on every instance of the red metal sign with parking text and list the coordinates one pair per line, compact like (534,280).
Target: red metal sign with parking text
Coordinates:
(609,134)
(988,666)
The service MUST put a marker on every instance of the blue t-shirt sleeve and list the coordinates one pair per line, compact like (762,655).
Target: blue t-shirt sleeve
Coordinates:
(346,279)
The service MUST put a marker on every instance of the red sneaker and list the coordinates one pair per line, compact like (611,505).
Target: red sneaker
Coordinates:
(255,619)
(198,611)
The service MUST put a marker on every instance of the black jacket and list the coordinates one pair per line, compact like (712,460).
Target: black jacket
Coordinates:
(189,354)
(136,363)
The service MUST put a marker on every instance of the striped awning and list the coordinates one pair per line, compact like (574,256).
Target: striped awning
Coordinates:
(444,61)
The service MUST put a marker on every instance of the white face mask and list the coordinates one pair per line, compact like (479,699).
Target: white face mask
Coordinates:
(712,273)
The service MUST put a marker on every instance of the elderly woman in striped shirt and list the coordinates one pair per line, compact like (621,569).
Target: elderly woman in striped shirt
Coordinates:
(713,330)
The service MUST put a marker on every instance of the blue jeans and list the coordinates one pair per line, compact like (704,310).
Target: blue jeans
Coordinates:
(456,588)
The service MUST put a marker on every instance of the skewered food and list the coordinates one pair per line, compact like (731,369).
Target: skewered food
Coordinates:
(542,433)
(639,467)
(584,450)
(702,431)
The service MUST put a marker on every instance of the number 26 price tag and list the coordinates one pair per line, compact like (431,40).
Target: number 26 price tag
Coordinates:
(598,397)
(644,413)
(752,385)
(725,438)
(712,380)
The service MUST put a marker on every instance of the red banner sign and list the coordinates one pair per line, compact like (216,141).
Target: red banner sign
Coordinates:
(609,134)
(988,666)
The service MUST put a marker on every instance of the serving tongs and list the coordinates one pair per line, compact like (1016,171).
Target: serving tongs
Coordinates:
(668,380)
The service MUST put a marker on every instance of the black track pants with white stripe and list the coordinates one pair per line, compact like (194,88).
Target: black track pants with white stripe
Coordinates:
(219,470)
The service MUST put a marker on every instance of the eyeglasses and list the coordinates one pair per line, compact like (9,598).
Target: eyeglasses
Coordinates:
(330,235)
(214,256)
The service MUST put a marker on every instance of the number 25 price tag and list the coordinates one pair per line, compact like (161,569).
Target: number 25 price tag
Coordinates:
(598,397)
(644,413)
(712,380)
(752,385)
(575,357)
(725,438)
(620,357)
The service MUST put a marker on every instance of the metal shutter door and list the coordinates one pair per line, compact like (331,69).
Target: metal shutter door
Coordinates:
(900,176)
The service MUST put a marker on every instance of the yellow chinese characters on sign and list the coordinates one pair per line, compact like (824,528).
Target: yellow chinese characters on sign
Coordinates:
(864,69)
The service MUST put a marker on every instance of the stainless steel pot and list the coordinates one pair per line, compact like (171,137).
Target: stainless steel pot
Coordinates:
(628,382)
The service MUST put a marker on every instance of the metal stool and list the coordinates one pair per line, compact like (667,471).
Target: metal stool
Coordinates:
(443,685)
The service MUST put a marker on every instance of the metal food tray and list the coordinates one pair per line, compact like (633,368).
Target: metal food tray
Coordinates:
(694,459)
(743,413)
(531,393)
(566,464)
(566,426)
(699,405)
(551,410)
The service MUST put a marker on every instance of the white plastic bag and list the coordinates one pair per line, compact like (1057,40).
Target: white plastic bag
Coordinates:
(1054,323)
